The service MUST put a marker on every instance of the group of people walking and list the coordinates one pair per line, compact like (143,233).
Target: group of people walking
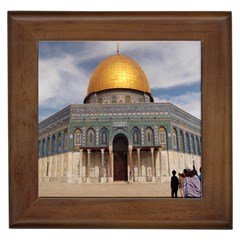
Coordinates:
(188,183)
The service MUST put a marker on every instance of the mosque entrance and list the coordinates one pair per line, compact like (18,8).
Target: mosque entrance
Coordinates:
(120,148)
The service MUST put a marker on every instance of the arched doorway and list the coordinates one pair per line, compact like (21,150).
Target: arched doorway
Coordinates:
(120,149)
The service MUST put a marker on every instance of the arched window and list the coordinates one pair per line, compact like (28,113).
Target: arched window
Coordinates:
(77,137)
(198,146)
(188,147)
(174,138)
(136,136)
(193,145)
(48,146)
(43,147)
(149,136)
(162,135)
(90,137)
(53,144)
(59,142)
(104,136)
(181,142)
(66,139)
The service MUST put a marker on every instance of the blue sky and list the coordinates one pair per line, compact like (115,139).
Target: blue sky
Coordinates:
(173,69)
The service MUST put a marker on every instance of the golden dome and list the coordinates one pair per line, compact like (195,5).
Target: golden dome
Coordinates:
(118,71)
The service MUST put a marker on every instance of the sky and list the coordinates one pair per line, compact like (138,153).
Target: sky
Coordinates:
(173,69)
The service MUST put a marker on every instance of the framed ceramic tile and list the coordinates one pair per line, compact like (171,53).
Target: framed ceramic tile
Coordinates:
(112,167)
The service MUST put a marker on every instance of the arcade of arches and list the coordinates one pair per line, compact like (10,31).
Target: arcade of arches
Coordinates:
(121,161)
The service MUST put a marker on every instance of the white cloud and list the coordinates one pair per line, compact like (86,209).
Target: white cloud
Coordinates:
(61,82)
(173,65)
(63,79)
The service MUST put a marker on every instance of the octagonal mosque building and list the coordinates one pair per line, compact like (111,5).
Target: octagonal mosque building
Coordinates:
(119,133)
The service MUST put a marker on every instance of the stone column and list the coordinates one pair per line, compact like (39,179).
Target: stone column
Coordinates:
(56,165)
(139,164)
(46,174)
(88,165)
(160,161)
(153,165)
(62,165)
(49,166)
(110,172)
(102,179)
(80,166)
(69,167)
(43,167)
(130,164)
(168,164)
(39,169)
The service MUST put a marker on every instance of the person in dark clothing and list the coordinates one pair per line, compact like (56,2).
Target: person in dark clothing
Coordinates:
(174,184)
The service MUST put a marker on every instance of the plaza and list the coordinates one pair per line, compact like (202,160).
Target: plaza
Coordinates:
(115,189)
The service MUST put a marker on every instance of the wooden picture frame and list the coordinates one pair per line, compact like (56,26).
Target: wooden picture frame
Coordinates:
(27,210)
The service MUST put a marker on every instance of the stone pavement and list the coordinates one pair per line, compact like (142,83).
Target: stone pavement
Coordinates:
(115,189)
